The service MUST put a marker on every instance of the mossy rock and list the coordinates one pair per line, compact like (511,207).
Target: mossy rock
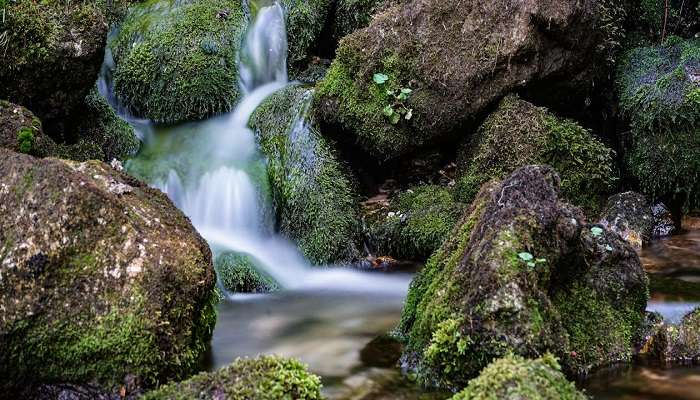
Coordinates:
(315,201)
(21,131)
(659,93)
(52,54)
(351,15)
(103,279)
(305,20)
(523,273)
(457,58)
(676,344)
(415,224)
(264,378)
(176,61)
(238,274)
(514,378)
(518,134)
(630,215)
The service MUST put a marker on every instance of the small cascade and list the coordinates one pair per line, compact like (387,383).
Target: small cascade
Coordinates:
(213,171)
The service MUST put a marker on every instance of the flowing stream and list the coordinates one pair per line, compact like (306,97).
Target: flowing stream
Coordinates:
(214,172)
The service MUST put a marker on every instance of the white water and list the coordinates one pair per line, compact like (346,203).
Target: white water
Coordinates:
(209,175)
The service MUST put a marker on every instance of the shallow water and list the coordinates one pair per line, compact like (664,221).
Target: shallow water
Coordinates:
(645,383)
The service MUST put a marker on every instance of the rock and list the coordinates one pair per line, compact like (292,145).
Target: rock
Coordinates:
(515,378)
(264,378)
(21,131)
(305,20)
(523,273)
(629,215)
(315,202)
(675,343)
(383,351)
(177,61)
(532,135)
(662,103)
(101,278)
(238,274)
(52,54)
(456,58)
(415,223)
(351,15)
(663,221)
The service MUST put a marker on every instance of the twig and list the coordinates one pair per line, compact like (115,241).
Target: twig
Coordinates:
(663,31)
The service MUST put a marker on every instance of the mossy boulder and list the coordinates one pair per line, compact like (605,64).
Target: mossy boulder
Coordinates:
(523,273)
(103,279)
(457,58)
(238,274)
(21,131)
(630,215)
(415,224)
(314,198)
(176,61)
(659,90)
(305,20)
(518,134)
(264,378)
(514,378)
(52,52)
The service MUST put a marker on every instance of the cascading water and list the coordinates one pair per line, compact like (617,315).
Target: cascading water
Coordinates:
(213,172)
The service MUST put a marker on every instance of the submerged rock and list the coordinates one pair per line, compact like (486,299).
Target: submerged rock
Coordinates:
(659,90)
(315,201)
(523,273)
(629,215)
(422,69)
(238,274)
(101,279)
(21,131)
(518,134)
(264,378)
(415,223)
(515,378)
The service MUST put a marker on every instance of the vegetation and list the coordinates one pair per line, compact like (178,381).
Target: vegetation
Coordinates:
(238,274)
(305,21)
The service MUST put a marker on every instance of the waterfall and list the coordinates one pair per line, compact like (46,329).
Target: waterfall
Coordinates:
(213,171)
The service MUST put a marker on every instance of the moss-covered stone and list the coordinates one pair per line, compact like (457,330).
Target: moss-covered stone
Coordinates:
(457,58)
(519,134)
(21,131)
(514,378)
(660,95)
(630,215)
(305,20)
(176,61)
(102,278)
(351,15)
(415,224)
(523,273)
(238,274)
(315,200)
(264,378)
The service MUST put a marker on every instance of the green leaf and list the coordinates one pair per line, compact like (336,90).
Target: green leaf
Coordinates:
(395,118)
(541,260)
(525,256)
(409,114)
(380,78)
(596,231)
(406,91)
(388,111)
(402,96)
(531,264)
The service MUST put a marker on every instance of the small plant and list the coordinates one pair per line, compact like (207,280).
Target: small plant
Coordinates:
(398,108)
(530,260)
(596,231)
(25,139)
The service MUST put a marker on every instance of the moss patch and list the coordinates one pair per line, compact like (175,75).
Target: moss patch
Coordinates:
(238,274)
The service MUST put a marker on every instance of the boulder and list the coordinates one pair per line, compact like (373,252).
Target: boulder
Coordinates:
(238,274)
(315,201)
(264,378)
(52,52)
(629,215)
(664,225)
(523,273)
(515,378)
(533,135)
(21,131)
(659,90)
(305,20)
(415,224)
(423,69)
(102,280)
(679,343)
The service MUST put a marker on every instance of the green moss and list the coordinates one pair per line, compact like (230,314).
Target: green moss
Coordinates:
(314,199)
(659,99)
(238,274)
(513,378)
(305,20)
(25,139)
(176,61)
(264,378)
(532,135)
(416,223)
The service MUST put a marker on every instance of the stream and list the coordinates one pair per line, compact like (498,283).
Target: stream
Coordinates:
(213,172)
